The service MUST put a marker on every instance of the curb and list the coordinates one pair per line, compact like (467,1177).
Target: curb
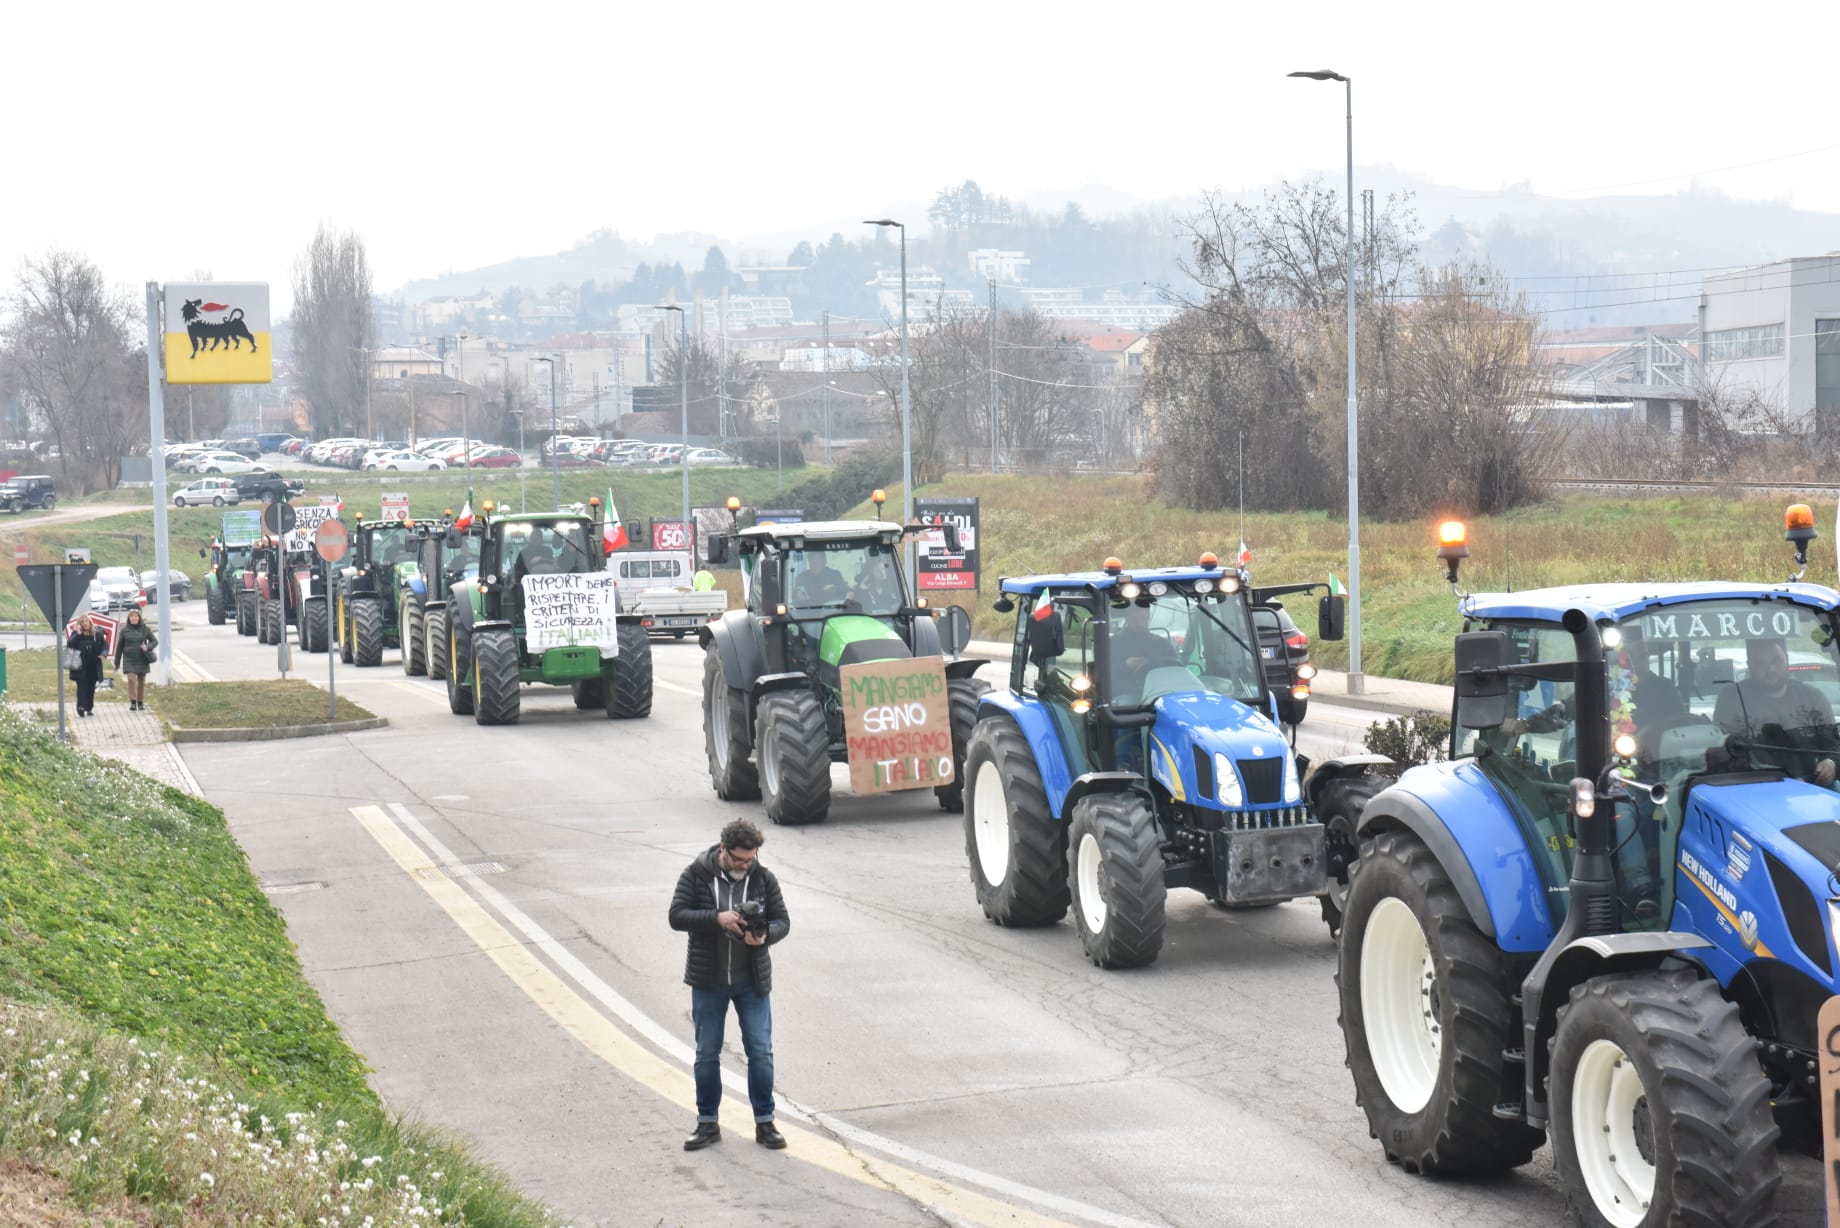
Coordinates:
(275,733)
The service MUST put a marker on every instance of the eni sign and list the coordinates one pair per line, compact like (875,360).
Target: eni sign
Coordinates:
(216,332)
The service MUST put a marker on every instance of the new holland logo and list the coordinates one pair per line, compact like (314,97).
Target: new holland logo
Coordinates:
(1747,929)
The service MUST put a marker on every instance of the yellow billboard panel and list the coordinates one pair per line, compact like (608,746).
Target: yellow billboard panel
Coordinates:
(217,333)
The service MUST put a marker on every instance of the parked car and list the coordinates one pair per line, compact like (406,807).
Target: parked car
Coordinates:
(261,483)
(496,458)
(711,456)
(402,460)
(115,588)
(212,463)
(177,583)
(21,492)
(215,491)
(274,441)
(248,446)
(1283,651)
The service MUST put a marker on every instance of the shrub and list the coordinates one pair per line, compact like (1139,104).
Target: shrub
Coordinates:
(1408,741)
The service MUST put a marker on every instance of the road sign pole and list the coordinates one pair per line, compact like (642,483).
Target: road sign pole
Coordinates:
(58,637)
(156,452)
(332,685)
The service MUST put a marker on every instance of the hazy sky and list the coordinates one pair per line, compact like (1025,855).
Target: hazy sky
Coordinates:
(161,140)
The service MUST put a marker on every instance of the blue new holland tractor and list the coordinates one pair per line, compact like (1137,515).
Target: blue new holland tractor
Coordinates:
(1136,748)
(1610,919)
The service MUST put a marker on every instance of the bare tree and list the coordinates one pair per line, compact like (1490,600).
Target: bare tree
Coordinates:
(333,331)
(706,376)
(72,357)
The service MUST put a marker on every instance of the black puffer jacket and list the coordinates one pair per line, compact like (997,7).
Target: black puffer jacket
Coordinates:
(716,957)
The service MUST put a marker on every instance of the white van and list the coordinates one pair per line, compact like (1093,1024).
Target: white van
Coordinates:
(659,586)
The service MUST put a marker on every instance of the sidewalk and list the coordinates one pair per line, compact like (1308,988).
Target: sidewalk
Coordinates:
(135,738)
(1390,695)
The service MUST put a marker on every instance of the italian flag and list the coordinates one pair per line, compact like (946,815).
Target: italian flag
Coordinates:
(614,533)
(465,519)
(1335,587)
(1245,553)
(1043,607)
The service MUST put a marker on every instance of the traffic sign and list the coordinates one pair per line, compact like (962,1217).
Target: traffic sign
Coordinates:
(278,518)
(22,556)
(331,541)
(42,580)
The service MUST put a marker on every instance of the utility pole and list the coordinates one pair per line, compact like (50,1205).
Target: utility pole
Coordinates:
(990,367)
(827,387)
(370,426)
(722,431)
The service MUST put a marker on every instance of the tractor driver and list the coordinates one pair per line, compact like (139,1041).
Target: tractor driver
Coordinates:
(536,558)
(1780,712)
(818,584)
(877,589)
(1136,649)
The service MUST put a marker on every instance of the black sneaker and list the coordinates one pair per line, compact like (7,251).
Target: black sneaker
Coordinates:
(768,1135)
(707,1132)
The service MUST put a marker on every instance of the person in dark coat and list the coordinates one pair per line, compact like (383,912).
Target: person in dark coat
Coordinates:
(134,656)
(731,907)
(93,647)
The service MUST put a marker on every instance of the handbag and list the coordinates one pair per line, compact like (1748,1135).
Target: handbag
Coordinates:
(148,652)
(73,658)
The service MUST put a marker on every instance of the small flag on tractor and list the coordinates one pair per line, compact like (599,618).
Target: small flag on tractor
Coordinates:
(1043,607)
(1335,586)
(465,519)
(615,530)
(1245,553)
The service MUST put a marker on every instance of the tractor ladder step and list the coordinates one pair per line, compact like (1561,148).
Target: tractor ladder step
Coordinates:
(1509,1111)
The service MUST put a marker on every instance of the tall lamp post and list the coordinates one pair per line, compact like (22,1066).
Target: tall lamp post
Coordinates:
(907,445)
(555,457)
(683,383)
(1357,682)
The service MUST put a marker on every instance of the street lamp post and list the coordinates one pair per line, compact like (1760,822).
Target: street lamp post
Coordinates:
(683,383)
(523,500)
(466,446)
(907,446)
(555,458)
(1357,683)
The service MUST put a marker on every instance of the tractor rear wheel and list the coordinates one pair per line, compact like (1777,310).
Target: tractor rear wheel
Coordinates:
(629,685)
(343,614)
(725,733)
(459,662)
(1660,1109)
(795,758)
(437,644)
(313,624)
(495,676)
(214,605)
(589,693)
(962,708)
(1338,809)
(1117,879)
(1018,853)
(366,632)
(413,662)
(1425,1016)
(245,613)
(272,629)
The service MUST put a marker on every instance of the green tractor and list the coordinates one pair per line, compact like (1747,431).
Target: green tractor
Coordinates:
(224,568)
(445,558)
(539,610)
(366,589)
(822,597)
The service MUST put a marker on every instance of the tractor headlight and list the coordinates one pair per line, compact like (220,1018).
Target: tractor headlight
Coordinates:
(1230,793)
(1158,588)
(1204,586)
(1130,592)
(1293,791)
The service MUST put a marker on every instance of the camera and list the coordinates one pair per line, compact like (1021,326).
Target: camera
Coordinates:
(753,917)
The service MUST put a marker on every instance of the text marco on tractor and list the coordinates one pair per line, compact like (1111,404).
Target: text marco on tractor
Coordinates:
(491,652)
(1611,920)
(826,602)
(1137,747)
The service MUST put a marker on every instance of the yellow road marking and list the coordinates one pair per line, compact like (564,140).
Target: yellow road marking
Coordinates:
(612,1045)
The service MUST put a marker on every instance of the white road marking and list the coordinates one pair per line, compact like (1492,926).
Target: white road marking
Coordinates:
(672,686)
(648,1028)
(193,671)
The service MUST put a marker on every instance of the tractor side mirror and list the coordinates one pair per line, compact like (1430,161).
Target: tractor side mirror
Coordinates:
(1482,687)
(1331,615)
(715,546)
(1047,638)
(953,544)
(954,629)
(451,538)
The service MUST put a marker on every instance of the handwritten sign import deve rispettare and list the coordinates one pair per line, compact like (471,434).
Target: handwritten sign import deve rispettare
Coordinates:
(579,608)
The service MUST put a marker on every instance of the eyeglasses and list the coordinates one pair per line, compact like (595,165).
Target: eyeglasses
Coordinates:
(741,858)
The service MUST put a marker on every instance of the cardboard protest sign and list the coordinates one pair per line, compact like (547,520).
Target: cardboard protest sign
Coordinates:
(307,521)
(566,610)
(897,724)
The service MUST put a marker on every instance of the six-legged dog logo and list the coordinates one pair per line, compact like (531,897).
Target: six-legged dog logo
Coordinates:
(230,330)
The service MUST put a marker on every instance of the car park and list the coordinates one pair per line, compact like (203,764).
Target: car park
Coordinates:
(178,584)
(214,491)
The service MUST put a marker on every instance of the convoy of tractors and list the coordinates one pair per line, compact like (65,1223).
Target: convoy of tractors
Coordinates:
(1608,919)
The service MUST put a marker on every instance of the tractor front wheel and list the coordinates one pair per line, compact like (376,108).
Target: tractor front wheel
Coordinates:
(962,707)
(214,605)
(313,631)
(414,663)
(1338,809)
(1018,853)
(1117,879)
(273,630)
(346,638)
(1660,1109)
(1425,1016)
(459,660)
(436,652)
(795,758)
(628,677)
(495,677)
(366,632)
(725,733)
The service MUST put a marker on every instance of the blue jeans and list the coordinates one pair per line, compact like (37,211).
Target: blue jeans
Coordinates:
(709,1013)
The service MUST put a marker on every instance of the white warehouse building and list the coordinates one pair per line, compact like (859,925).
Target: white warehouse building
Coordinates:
(1774,330)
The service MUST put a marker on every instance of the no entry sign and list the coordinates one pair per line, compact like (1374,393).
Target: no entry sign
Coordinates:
(331,541)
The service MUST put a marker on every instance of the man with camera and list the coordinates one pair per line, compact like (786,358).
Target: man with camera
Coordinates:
(731,907)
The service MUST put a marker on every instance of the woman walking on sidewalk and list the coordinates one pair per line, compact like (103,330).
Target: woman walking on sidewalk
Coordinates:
(91,646)
(134,654)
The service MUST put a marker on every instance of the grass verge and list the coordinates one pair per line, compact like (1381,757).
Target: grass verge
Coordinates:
(263,704)
(32,675)
(158,1039)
